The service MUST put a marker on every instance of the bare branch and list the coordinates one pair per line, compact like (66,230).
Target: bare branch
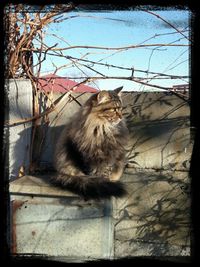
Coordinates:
(105,48)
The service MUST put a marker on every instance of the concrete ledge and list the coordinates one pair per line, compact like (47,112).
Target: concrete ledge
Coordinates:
(40,186)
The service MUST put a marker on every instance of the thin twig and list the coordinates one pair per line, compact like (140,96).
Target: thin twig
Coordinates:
(104,48)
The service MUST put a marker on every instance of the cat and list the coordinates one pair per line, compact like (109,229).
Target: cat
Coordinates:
(90,153)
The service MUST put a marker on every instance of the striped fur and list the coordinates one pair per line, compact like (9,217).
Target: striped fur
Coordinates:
(90,153)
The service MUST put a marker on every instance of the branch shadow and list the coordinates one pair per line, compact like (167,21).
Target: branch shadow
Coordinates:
(154,219)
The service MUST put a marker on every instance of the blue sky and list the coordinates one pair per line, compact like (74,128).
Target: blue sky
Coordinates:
(118,29)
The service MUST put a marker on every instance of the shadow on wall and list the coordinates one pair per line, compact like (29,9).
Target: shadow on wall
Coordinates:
(44,147)
(155,217)
(160,143)
(159,127)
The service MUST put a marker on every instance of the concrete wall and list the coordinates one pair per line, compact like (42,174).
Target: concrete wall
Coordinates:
(19,93)
(159,126)
(153,220)
(61,228)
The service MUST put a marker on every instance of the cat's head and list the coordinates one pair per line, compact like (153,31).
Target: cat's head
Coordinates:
(107,106)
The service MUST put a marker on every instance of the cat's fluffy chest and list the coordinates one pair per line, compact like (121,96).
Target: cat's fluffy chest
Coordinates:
(102,142)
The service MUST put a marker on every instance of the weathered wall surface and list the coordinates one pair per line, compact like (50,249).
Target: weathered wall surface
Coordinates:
(159,127)
(19,140)
(61,228)
(152,220)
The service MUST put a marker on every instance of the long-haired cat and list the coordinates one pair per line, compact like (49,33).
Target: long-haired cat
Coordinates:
(90,154)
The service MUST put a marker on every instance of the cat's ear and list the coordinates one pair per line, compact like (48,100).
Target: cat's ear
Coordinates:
(118,90)
(102,97)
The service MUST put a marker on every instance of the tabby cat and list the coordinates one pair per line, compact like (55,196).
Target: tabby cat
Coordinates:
(90,154)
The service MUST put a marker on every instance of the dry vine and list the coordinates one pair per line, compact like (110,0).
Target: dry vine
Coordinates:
(24,25)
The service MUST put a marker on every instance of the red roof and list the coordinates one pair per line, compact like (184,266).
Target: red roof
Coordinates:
(52,82)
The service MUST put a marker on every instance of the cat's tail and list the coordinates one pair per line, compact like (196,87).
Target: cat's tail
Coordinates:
(90,187)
